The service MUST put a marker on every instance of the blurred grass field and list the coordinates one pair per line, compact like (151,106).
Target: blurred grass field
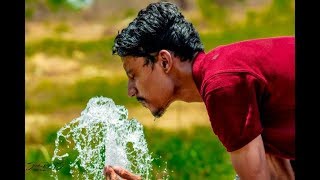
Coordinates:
(68,60)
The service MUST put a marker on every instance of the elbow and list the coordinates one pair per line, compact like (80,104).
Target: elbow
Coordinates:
(253,169)
(250,161)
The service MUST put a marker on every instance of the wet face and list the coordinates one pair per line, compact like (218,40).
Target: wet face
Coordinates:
(150,84)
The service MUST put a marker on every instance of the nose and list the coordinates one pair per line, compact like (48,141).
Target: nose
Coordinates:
(132,91)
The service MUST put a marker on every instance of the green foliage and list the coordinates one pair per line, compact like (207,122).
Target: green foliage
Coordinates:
(211,10)
(190,155)
(56,2)
(56,5)
(215,14)
(29,12)
(61,28)
(130,13)
(100,50)
(49,96)
(275,20)
(68,4)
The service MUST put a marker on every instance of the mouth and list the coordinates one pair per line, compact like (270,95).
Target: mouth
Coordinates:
(143,103)
(157,113)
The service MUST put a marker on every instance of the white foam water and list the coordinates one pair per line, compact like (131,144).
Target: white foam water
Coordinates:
(102,136)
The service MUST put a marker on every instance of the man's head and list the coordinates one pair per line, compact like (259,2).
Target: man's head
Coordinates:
(157,37)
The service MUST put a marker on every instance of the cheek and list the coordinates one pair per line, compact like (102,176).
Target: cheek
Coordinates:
(162,89)
(157,87)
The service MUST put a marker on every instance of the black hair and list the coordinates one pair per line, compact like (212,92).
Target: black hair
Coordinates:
(159,26)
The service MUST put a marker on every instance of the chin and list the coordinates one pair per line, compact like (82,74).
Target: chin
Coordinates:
(158,113)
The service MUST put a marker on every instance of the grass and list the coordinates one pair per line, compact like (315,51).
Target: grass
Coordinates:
(49,96)
(196,154)
(99,50)
(191,155)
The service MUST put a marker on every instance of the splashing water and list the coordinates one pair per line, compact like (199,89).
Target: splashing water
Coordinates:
(101,136)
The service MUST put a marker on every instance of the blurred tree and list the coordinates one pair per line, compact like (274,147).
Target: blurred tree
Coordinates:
(75,4)
(35,9)
(216,13)
(78,4)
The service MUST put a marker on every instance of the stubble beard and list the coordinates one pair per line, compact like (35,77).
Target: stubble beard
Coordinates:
(158,113)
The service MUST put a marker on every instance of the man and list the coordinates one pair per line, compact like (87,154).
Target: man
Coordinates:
(248,87)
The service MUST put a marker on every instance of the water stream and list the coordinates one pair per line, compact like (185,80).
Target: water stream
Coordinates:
(101,136)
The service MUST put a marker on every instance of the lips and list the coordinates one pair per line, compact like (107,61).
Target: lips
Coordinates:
(143,103)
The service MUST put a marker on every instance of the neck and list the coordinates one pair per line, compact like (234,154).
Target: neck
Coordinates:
(185,89)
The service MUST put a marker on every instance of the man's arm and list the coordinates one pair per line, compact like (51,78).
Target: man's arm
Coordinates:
(251,162)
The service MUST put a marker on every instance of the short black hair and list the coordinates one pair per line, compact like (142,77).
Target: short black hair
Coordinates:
(159,26)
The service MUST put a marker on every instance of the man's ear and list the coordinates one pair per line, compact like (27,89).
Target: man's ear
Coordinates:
(165,60)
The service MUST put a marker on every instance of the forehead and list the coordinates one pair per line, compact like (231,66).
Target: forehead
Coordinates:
(131,63)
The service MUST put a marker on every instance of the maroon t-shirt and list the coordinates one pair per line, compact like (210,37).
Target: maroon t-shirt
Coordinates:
(248,88)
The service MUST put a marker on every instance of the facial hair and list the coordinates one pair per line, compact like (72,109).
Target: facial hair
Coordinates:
(158,113)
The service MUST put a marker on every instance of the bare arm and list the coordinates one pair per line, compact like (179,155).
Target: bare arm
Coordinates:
(251,163)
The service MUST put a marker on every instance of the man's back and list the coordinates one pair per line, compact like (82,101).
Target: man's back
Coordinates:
(249,89)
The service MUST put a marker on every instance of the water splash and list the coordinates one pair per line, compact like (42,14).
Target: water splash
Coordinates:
(101,136)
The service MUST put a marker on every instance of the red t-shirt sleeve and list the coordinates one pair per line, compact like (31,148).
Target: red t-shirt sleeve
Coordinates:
(232,102)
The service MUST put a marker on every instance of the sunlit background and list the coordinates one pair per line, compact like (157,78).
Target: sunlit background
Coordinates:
(69,60)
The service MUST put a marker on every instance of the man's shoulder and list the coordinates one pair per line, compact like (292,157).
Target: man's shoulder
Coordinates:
(274,39)
(258,42)
(251,48)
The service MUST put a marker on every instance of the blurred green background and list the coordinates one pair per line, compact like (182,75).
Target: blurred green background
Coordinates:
(68,60)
